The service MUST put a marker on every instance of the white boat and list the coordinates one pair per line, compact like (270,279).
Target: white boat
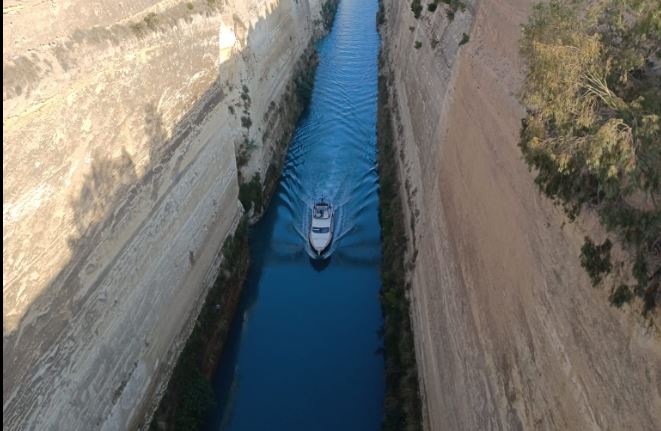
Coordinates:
(321,228)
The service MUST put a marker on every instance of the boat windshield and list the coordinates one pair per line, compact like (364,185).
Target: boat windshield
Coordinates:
(320,229)
(321,212)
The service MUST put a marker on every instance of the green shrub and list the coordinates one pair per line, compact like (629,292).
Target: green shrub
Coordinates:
(246,122)
(304,83)
(596,259)
(621,295)
(151,20)
(189,396)
(464,39)
(137,27)
(328,11)
(245,94)
(380,15)
(650,297)
(197,399)
(431,7)
(593,127)
(416,8)
(418,44)
(244,152)
(250,194)
(640,272)
(402,404)
(452,7)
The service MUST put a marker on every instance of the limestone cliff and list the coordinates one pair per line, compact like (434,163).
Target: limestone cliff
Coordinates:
(509,333)
(120,123)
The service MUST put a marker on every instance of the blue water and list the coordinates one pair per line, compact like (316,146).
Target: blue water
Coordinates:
(303,352)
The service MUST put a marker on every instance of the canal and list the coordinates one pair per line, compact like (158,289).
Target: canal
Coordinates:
(304,349)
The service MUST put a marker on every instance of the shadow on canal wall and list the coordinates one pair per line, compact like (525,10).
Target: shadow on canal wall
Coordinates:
(189,396)
(96,346)
(403,406)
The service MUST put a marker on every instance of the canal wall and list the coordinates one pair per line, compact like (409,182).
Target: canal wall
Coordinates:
(121,129)
(509,333)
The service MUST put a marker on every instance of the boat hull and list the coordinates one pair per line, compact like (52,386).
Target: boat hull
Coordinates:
(321,228)
(320,249)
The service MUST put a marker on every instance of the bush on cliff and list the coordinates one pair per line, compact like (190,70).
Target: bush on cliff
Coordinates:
(250,194)
(244,152)
(593,127)
(196,400)
(246,121)
(304,83)
(464,39)
(402,406)
(189,396)
(621,295)
(416,8)
(596,259)
(452,7)
(328,11)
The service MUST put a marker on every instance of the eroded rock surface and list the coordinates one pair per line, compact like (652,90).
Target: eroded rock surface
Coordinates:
(120,123)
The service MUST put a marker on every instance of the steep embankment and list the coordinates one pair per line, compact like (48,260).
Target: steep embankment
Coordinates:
(120,126)
(509,333)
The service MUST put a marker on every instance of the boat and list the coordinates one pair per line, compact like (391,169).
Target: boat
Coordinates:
(321,227)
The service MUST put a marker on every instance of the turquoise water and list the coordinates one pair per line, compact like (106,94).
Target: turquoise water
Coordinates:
(304,349)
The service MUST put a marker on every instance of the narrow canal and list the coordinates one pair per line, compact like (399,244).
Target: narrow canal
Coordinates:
(303,353)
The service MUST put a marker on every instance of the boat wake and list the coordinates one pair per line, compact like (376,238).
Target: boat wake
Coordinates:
(300,204)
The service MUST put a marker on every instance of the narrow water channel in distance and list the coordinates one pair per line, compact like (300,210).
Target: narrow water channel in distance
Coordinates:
(303,352)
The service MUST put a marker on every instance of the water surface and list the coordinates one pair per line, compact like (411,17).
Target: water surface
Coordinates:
(303,352)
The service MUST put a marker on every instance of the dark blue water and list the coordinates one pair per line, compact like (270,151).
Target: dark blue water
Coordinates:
(303,350)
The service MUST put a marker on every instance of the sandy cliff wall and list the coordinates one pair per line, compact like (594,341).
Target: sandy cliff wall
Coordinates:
(509,333)
(120,185)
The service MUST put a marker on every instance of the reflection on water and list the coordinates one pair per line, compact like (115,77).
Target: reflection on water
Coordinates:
(301,352)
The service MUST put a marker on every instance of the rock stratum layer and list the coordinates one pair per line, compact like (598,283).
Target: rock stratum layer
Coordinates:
(509,333)
(120,123)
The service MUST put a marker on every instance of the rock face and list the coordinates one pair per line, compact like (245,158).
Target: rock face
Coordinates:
(120,124)
(509,333)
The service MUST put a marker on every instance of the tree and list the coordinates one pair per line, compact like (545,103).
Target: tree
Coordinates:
(594,105)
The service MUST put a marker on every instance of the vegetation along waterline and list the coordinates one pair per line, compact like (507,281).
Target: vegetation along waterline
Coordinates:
(305,351)
(402,409)
(189,396)
(402,403)
(356,215)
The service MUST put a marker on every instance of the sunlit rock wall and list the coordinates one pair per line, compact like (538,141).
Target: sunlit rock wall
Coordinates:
(509,332)
(120,186)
